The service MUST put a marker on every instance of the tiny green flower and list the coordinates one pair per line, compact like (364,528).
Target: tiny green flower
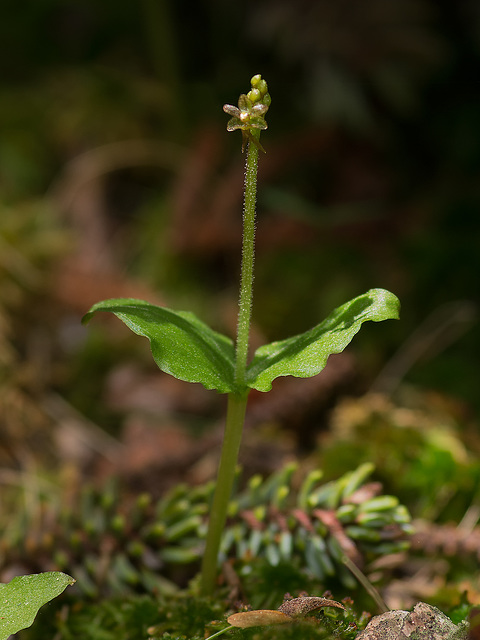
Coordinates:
(249,115)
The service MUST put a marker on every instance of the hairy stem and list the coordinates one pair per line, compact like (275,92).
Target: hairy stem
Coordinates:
(248,255)
(237,402)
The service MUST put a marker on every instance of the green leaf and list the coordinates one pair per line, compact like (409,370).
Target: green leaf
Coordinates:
(181,344)
(306,355)
(23,596)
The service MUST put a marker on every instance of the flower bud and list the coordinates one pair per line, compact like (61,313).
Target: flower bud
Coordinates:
(254,95)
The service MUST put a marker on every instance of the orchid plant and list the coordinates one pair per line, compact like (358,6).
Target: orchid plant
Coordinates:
(186,348)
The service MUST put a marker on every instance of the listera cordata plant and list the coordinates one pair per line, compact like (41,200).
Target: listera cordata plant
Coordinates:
(186,348)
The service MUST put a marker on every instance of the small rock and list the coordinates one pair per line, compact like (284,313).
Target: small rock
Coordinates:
(423,623)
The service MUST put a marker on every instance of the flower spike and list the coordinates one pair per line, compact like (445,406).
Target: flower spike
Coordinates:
(249,115)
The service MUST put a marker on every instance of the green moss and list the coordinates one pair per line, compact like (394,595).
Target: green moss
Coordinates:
(179,617)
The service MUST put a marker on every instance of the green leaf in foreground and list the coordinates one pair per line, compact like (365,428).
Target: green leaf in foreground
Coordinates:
(181,344)
(306,354)
(23,596)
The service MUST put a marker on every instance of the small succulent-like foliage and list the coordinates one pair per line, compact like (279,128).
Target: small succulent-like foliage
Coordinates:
(320,525)
(112,551)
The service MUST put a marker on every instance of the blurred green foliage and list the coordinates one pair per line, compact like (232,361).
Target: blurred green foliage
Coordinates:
(374,146)
(180,618)
(421,451)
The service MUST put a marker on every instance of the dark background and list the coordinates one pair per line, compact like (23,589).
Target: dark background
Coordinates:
(117,176)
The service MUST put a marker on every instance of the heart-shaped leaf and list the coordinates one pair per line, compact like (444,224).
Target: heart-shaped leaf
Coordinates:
(22,597)
(306,354)
(181,344)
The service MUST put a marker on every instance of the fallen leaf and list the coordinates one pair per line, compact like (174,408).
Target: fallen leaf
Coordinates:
(306,604)
(287,612)
(258,618)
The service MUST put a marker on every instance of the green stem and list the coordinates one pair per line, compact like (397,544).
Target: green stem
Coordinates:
(365,582)
(237,402)
(219,633)
(248,255)
(237,405)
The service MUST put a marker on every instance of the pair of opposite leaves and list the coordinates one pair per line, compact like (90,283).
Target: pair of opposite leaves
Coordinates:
(188,349)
